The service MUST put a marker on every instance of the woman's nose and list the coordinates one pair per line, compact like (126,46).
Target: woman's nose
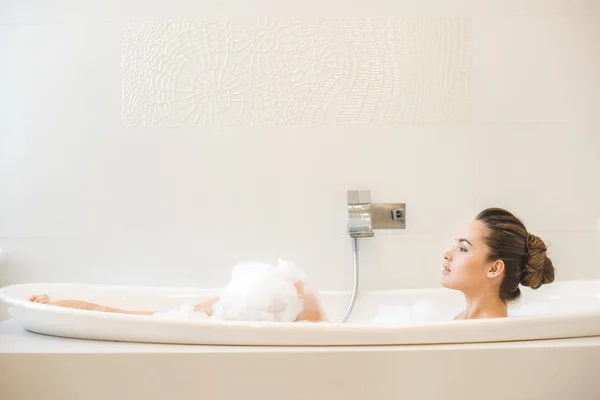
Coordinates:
(447,256)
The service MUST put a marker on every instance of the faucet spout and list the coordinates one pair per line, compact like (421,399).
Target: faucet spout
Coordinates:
(360,223)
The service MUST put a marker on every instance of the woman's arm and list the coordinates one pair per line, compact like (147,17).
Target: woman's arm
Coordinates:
(83,305)
(310,311)
(205,307)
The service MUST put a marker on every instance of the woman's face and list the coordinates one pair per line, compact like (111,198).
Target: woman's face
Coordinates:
(465,264)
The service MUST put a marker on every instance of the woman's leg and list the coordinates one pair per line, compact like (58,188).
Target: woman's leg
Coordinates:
(311,310)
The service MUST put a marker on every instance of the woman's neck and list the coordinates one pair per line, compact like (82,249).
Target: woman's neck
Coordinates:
(483,305)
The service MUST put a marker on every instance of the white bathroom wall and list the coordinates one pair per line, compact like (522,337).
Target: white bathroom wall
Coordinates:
(159,143)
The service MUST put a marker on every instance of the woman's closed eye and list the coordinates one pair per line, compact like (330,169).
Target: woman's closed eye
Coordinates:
(460,248)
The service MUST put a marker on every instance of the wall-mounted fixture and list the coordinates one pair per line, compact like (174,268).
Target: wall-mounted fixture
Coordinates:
(363,217)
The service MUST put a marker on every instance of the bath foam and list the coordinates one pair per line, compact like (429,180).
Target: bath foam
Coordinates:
(261,292)
(184,311)
(256,292)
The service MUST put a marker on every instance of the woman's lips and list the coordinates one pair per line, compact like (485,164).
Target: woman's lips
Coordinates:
(446,269)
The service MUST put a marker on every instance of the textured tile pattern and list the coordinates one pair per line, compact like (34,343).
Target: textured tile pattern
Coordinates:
(295,72)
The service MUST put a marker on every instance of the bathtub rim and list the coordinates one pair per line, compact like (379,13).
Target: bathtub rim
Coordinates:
(330,333)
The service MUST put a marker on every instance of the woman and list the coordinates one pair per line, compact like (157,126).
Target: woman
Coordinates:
(489,260)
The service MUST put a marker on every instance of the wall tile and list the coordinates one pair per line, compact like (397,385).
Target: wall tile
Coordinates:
(293,71)
(401,261)
(428,168)
(536,69)
(190,201)
(140,10)
(86,200)
(534,7)
(546,173)
(60,76)
(36,12)
(70,11)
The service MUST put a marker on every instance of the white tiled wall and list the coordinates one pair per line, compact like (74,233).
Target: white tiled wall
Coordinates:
(503,97)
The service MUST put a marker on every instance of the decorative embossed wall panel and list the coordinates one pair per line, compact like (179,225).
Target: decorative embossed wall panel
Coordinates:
(295,72)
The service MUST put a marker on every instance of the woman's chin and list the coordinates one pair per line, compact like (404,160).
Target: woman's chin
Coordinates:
(446,282)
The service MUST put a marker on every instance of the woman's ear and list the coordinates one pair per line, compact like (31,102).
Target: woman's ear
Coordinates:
(495,269)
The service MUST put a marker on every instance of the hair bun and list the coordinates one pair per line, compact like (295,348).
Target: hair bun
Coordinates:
(539,269)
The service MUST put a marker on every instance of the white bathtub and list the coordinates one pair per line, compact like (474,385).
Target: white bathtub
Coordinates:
(561,310)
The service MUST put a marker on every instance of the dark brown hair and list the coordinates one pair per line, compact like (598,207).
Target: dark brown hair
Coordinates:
(523,254)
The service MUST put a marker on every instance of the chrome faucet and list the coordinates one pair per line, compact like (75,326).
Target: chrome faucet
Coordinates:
(360,223)
(362,217)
